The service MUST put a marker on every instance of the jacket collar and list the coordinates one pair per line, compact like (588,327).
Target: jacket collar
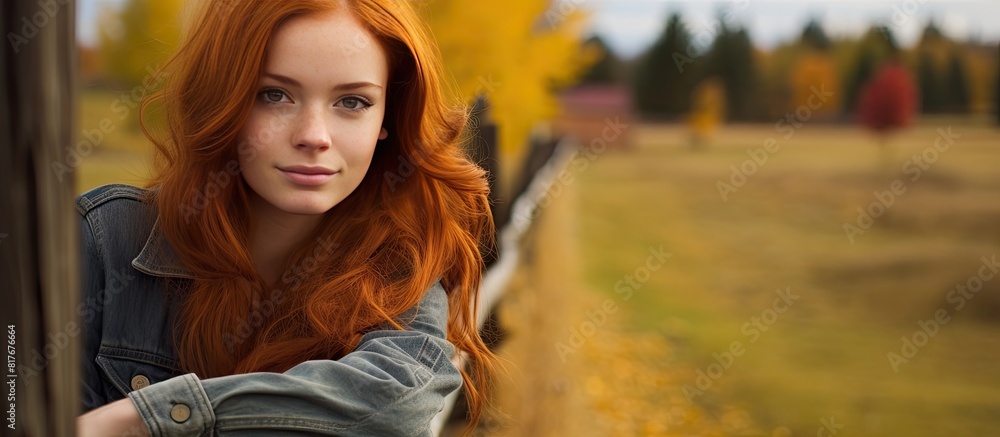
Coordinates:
(157,258)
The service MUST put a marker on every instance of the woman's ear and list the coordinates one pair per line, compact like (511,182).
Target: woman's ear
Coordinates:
(383,134)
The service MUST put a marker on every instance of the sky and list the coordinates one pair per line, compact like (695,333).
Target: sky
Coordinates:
(630,26)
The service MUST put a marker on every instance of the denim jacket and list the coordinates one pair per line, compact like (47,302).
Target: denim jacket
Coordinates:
(392,384)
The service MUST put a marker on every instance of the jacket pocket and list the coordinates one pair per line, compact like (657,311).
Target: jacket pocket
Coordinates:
(129,370)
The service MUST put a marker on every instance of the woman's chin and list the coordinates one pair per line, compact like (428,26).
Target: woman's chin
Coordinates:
(304,205)
(308,208)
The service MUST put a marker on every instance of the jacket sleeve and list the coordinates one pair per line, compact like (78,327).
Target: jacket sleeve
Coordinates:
(392,384)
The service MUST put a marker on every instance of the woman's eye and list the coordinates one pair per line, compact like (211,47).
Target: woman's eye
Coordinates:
(351,103)
(272,95)
(355,103)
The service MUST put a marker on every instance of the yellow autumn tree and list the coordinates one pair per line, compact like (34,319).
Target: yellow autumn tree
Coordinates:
(812,79)
(516,53)
(708,107)
(138,39)
(982,67)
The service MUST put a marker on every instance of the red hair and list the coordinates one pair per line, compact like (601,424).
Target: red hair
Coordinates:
(420,214)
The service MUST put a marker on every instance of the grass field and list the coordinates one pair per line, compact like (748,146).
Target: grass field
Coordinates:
(827,355)
(121,153)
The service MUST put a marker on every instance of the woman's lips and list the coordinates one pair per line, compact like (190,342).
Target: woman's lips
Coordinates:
(310,176)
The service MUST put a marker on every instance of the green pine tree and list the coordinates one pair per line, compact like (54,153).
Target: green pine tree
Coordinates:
(606,69)
(933,97)
(957,96)
(731,59)
(814,37)
(665,76)
(862,72)
(996,91)
(932,34)
(876,46)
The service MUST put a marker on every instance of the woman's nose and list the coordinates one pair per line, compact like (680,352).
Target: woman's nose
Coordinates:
(313,130)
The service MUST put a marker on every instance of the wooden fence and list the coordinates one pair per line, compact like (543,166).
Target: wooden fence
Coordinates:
(544,161)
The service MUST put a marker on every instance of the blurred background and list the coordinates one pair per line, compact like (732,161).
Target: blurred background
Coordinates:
(778,218)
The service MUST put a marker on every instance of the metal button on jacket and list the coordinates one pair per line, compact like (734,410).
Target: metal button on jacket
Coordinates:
(180,413)
(139,381)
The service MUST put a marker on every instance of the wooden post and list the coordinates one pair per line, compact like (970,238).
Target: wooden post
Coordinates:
(39,273)
(483,150)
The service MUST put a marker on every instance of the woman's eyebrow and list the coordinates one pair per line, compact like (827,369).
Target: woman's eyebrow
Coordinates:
(341,87)
(283,79)
(355,85)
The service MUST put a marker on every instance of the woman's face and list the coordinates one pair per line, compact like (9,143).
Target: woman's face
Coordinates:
(317,115)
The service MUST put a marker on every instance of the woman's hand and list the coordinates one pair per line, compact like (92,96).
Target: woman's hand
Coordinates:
(117,419)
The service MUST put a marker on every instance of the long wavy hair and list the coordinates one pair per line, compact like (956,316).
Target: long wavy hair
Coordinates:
(421,213)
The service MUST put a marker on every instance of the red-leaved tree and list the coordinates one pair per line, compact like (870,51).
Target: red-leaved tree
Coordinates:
(888,102)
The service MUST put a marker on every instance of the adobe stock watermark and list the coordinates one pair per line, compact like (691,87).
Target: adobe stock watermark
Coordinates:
(121,106)
(915,167)
(360,43)
(625,288)
(753,330)
(579,162)
(116,282)
(828,427)
(488,86)
(219,180)
(47,10)
(561,10)
(407,163)
(902,12)
(12,358)
(759,156)
(959,296)
(702,40)
(290,280)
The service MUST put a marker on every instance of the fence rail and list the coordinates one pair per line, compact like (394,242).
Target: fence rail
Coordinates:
(521,216)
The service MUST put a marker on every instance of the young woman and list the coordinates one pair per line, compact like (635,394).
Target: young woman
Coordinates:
(309,256)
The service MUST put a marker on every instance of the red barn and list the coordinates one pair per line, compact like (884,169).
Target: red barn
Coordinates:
(595,114)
